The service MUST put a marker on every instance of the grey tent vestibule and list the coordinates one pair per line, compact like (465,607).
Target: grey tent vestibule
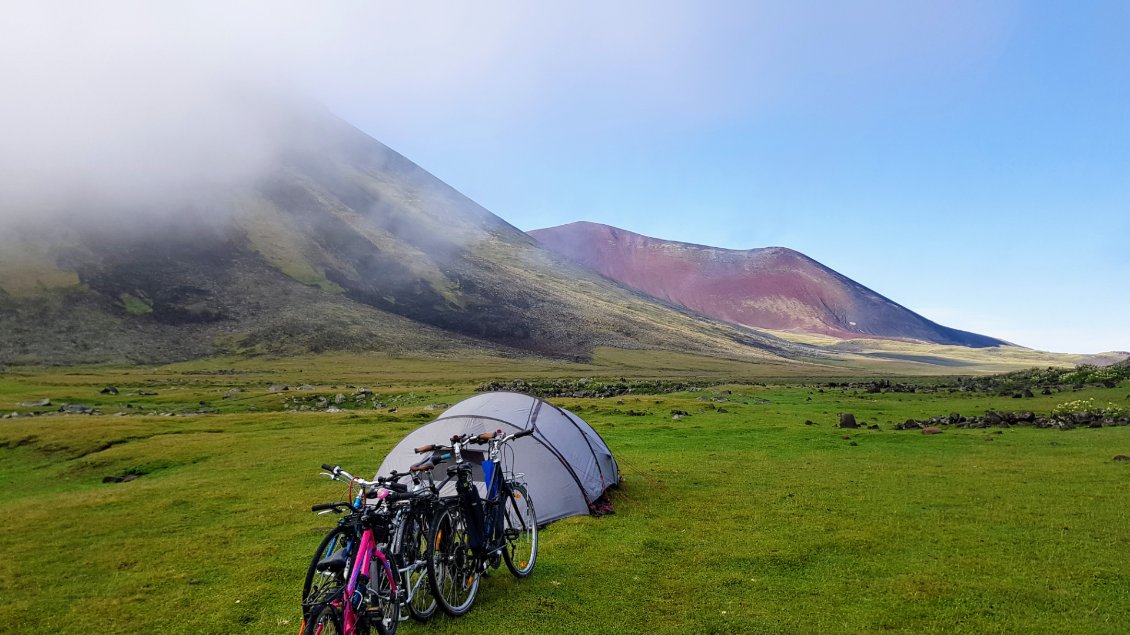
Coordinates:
(567,465)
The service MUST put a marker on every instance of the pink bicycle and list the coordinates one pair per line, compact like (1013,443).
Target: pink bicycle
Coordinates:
(352,584)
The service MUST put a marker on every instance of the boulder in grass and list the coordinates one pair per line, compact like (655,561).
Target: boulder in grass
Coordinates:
(847,420)
(76,409)
(39,403)
(931,430)
(1121,458)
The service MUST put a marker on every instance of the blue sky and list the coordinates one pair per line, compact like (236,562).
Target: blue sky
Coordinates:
(967,159)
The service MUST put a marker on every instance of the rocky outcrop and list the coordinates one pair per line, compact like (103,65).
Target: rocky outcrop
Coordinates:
(990,419)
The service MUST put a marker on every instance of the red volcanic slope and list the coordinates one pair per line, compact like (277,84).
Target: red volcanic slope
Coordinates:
(772,288)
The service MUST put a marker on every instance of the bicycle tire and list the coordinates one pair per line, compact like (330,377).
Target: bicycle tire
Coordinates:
(411,548)
(320,584)
(388,607)
(453,571)
(326,621)
(520,524)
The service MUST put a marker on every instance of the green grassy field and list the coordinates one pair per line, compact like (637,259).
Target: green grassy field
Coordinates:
(738,518)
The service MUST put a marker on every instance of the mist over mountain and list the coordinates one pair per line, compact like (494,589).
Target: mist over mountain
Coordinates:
(334,243)
(770,288)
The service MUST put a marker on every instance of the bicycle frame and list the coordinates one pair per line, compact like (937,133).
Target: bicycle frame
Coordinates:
(493,504)
(367,551)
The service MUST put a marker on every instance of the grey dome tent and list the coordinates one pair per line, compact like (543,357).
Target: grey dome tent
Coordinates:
(567,465)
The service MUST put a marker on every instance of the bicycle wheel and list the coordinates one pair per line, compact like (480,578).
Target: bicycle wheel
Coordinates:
(326,573)
(521,531)
(411,548)
(326,621)
(453,573)
(384,607)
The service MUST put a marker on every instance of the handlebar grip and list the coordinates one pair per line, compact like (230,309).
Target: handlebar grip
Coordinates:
(425,448)
(424,467)
(523,433)
(487,436)
(328,468)
(325,506)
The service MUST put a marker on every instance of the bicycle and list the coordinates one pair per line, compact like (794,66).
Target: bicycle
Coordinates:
(410,541)
(470,533)
(352,583)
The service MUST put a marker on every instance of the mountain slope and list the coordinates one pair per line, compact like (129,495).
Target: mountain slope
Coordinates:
(771,288)
(341,244)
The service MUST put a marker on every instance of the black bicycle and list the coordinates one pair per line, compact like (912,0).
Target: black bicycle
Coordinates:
(470,533)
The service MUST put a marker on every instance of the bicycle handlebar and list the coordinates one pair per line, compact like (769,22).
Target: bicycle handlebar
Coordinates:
(335,472)
(336,507)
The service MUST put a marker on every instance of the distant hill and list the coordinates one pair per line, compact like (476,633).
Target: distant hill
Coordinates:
(770,288)
(342,244)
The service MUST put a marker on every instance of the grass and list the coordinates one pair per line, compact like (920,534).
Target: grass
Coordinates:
(738,518)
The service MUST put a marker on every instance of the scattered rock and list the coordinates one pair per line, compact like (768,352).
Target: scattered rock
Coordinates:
(35,404)
(873,426)
(277,388)
(931,430)
(334,409)
(126,478)
(1064,421)
(809,422)
(76,409)
(680,413)
(436,406)
(1028,393)
(392,409)
(146,393)
(305,387)
(339,399)
(1121,458)
(109,390)
(847,420)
